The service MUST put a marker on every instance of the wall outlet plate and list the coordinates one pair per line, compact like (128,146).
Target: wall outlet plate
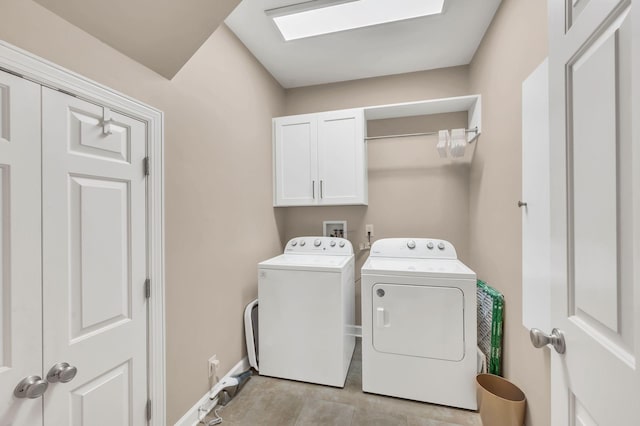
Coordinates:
(369,229)
(214,364)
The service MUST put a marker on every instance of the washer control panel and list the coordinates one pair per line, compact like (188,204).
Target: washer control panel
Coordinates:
(423,248)
(319,245)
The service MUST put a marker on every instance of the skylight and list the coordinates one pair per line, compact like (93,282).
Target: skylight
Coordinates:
(351,15)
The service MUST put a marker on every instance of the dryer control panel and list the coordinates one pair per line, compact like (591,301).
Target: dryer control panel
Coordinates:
(319,245)
(420,248)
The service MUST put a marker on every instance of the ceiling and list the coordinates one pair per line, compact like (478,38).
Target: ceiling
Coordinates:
(417,44)
(160,34)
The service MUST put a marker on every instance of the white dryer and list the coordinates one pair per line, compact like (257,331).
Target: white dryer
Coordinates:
(306,301)
(419,323)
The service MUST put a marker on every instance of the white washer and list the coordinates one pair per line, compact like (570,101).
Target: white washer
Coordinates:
(419,323)
(306,301)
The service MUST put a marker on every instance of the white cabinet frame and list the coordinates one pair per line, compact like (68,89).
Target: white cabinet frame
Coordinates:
(17,61)
(320,159)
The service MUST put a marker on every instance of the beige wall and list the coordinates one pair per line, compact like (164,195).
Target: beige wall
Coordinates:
(512,48)
(391,89)
(219,216)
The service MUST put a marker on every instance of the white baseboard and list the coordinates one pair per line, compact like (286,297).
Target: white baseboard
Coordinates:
(190,418)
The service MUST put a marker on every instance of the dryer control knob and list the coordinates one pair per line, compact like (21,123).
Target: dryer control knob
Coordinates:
(317,242)
(341,244)
(302,243)
(411,244)
(294,243)
(441,246)
(430,245)
(332,243)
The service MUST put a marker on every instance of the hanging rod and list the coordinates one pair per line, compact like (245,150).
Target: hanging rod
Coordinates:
(406,135)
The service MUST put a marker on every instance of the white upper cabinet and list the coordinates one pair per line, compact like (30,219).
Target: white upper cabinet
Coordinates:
(320,159)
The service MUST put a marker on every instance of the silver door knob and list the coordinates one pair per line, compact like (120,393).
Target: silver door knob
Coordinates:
(61,372)
(556,339)
(31,387)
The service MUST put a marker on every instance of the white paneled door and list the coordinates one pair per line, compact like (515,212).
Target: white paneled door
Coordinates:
(94,263)
(20,261)
(73,261)
(595,210)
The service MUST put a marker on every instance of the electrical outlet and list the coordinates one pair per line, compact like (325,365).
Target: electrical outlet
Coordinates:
(369,229)
(214,364)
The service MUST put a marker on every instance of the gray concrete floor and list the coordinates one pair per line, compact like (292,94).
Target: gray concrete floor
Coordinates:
(265,401)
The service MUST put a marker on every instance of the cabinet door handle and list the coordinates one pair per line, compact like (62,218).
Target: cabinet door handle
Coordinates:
(313,189)
(321,185)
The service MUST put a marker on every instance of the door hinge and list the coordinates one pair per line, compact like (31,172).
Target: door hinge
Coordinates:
(146,164)
(148,409)
(147,288)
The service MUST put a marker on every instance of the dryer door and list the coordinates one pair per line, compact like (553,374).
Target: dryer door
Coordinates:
(421,321)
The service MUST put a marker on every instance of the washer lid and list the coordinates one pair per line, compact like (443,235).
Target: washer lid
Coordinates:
(307,262)
(442,268)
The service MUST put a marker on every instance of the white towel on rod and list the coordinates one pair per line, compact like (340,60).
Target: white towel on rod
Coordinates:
(443,143)
(458,142)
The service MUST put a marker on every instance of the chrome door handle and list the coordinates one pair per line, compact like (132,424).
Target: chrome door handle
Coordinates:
(31,387)
(556,339)
(62,372)
(313,189)
(321,187)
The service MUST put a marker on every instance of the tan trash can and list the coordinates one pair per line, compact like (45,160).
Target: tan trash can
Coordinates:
(500,402)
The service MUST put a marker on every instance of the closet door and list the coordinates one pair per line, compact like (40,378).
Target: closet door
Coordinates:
(94,264)
(20,270)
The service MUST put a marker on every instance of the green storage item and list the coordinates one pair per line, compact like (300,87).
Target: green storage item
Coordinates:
(490,321)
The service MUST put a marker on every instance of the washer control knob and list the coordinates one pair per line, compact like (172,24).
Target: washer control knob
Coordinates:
(294,243)
(441,246)
(430,245)
(411,244)
(317,242)
(380,292)
(303,243)
(332,243)
(341,244)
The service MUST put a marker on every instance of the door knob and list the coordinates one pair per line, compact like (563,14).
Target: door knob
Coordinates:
(31,387)
(556,339)
(61,372)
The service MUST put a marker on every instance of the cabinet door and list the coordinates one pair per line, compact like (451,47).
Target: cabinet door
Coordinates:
(20,273)
(295,160)
(341,157)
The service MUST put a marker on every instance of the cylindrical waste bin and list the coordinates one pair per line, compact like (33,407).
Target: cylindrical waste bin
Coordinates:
(500,402)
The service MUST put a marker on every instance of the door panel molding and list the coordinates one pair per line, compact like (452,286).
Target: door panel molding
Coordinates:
(41,71)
